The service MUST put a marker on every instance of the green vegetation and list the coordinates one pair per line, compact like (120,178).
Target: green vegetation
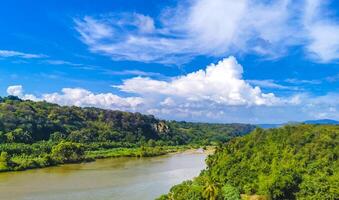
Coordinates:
(67,152)
(135,152)
(44,154)
(205,133)
(30,122)
(40,134)
(292,162)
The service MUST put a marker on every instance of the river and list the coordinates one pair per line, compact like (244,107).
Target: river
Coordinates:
(105,179)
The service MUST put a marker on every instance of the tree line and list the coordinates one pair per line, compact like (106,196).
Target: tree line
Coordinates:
(29,122)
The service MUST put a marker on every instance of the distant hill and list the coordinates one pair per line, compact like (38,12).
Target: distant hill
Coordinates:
(322,121)
(318,121)
(269,125)
(29,122)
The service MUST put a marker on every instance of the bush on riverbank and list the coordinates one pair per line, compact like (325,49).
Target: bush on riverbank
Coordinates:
(15,157)
(68,152)
(23,157)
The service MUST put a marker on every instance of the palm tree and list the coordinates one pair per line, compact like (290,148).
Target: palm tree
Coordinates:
(171,196)
(210,191)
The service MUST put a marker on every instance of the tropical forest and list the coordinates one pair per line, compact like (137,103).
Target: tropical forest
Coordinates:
(169,100)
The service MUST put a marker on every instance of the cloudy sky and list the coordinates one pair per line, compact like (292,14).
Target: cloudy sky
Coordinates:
(257,61)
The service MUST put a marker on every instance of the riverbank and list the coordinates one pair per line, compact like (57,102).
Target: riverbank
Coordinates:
(66,153)
(135,152)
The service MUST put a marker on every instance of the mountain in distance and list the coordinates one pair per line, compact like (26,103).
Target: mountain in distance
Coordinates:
(266,126)
(317,121)
(322,121)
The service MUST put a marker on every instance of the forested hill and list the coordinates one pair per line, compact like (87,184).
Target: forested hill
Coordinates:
(28,122)
(292,162)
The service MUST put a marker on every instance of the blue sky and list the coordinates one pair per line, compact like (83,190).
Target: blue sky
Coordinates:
(196,60)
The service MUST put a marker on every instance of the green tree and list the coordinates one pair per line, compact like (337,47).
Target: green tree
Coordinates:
(19,135)
(57,136)
(186,191)
(66,152)
(151,143)
(230,193)
(4,161)
(3,137)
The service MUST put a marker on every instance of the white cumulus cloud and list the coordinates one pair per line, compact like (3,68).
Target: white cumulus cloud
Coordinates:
(217,93)
(15,90)
(82,97)
(219,84)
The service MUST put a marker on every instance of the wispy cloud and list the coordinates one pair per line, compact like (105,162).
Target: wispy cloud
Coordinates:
(271,84)
(10,53)
(68,63)
(301,81)
(43,59)
(134,73)
(61,62)
(103,70)
(198,27)
(192,28)
(322,32)
(334,78)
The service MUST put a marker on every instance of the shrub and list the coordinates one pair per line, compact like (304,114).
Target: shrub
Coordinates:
(66,152)
(230,193)
(4,159)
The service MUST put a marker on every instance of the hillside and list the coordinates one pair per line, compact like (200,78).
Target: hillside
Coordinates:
(292,162)
(29,122)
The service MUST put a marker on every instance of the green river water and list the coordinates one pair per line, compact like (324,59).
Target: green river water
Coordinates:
(105,179)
